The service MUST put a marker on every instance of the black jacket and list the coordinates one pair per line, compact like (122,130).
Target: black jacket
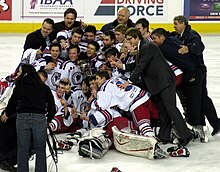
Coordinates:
(110,26)
(35,40)
(152,67)
(27,98)
(193,41)
(170,48)
(61,26)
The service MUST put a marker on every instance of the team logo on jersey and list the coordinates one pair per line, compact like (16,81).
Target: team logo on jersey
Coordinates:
(84,107)
(55,77)
(77,78)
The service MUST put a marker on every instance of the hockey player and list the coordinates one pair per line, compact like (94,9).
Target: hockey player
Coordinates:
(90,61)
(63,120)
(96,142)
(132,99)
(71,69)
(52,65)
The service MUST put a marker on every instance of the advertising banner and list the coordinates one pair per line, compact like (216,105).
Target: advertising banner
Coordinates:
(202,9)
(50,8)
(106,10)
(5,9)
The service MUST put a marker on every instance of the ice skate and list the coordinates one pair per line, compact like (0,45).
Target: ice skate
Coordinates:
(159,153)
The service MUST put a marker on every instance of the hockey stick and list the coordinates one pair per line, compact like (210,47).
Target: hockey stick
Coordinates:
(52,147)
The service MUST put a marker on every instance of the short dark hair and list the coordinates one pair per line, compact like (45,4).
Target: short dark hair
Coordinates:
(70,10)
(86,81)
(95,44)
(110,34)
(77,30)
(91,78)
(111,51)
(90,28)
(49,21)
(74,46)
(160,31)
(103,74)
(144,22)
(133,32)
(56,44)
(181,19)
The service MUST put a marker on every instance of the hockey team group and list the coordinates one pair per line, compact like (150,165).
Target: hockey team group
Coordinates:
(113,88)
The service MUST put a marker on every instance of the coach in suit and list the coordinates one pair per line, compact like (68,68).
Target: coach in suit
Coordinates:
(159,79)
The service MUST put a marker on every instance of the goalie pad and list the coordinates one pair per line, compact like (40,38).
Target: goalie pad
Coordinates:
(137,145)
(95,143)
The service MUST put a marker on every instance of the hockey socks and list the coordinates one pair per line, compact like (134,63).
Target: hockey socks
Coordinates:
(146,130)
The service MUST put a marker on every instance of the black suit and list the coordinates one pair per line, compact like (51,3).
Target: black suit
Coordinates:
(35,40)
(160,81)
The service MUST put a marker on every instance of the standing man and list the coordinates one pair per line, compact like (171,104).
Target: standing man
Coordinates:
(69,21)
(193,44)
(122,18)
(159,79)
(41,38)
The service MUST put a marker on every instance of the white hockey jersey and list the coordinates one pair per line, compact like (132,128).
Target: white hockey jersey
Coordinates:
(54,75)
(110,95)
(80,101)
(101,118)
(73,72)
(60,109)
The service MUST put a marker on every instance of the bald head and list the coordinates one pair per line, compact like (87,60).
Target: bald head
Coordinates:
(123,15)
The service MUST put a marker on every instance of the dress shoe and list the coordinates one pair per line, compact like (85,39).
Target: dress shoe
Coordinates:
(5,166)
(216,130)
(185,142)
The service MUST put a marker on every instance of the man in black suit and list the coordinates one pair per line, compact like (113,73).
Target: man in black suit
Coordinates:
(41,38)
(159,79)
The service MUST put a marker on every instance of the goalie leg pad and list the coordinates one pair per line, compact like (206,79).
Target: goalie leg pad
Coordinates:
(95,145)
(133,144)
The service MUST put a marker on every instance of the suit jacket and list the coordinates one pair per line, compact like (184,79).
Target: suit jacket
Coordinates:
(35,40)
(110,26)
(61,26)
(152,67)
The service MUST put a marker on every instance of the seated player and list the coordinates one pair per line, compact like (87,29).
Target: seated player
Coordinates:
(63,120)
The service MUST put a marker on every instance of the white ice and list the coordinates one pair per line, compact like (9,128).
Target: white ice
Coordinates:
(205,157)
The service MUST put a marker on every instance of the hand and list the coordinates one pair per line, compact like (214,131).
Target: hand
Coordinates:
(183,50)
(39,51)
(74,112)
(83,116)
(4,117)
(94,93)
(123,86)
(83,24)
(117,64)
(64,44)
(63,102)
